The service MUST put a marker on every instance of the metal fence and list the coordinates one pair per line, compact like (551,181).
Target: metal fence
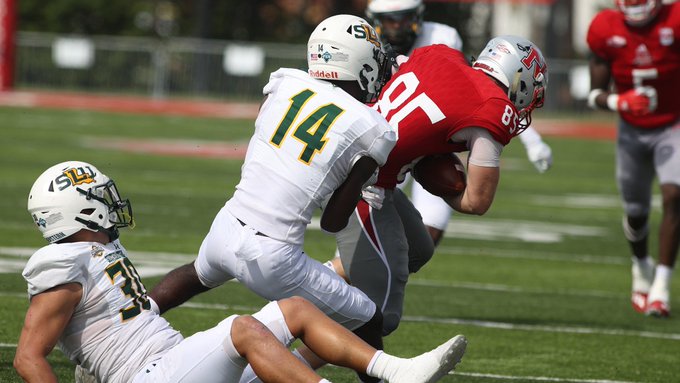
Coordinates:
(182,67)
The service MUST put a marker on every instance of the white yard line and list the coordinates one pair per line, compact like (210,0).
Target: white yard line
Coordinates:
(624,259)
(543,328)
(538,378)
(514,289)
(490,229)
(478,323)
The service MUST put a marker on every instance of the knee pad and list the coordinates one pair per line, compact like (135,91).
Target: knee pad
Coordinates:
(634,235)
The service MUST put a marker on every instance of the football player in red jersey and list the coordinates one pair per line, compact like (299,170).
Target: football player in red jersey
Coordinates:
(439,104)
(400,23)
(638,46)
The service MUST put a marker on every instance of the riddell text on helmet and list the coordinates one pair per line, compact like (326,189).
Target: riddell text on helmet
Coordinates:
(323,74)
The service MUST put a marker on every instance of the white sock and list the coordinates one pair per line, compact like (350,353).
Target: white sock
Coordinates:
(662,283)
(324,381)
(643,274)
(643,262)
(664,273)
(383,365)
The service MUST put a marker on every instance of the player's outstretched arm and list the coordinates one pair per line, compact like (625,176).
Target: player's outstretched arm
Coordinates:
(345,198)
(177,287)
(638,101)
(538,152)
(46,318)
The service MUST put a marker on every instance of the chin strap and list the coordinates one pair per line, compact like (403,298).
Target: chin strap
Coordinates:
(112,231)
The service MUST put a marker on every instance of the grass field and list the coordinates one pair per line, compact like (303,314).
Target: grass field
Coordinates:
(539,285)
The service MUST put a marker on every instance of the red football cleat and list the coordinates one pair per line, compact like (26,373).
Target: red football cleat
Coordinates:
(639,301)
(658,309)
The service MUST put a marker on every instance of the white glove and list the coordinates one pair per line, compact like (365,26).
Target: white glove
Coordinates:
(540,155)
(539,152)
(374,196)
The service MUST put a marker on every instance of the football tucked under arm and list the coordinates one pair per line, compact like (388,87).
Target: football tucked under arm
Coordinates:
(442,175)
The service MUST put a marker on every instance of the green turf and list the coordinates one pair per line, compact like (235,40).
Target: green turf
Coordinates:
(555,309)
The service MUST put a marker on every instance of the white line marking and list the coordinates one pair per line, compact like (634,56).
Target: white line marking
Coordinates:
(515,289)
(585,201)
(14,295)
(484,324)
(148,263)
(542,328)
(541,256)
(505,229)
(538,378)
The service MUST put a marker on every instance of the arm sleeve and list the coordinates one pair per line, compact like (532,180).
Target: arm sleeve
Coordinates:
(530,137)
(484,150)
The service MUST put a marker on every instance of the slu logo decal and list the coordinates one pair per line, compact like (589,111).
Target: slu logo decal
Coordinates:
(365,32)
(326,56)
(75,176)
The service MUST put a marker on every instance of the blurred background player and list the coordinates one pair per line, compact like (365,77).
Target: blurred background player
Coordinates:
(87,296)
(400,23)
(386,239)
(638,46)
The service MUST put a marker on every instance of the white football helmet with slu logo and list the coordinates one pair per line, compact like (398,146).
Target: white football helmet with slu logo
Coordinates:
(346,48)
(74,195)
(520,66)
(639,12)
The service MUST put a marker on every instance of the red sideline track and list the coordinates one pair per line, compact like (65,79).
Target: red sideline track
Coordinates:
(203,108)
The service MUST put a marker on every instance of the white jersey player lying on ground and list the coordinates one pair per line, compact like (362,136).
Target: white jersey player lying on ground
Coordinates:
(87,297)
(400,23)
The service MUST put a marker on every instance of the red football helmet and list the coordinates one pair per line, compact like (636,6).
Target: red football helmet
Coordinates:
(639,12)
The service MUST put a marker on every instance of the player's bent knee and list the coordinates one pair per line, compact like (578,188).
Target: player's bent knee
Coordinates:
(294,307)
(635,228)
(390,323)
(246,332)
(418,259)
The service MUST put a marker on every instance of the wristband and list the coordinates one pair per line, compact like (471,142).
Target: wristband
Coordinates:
(592,96)
(613,102)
